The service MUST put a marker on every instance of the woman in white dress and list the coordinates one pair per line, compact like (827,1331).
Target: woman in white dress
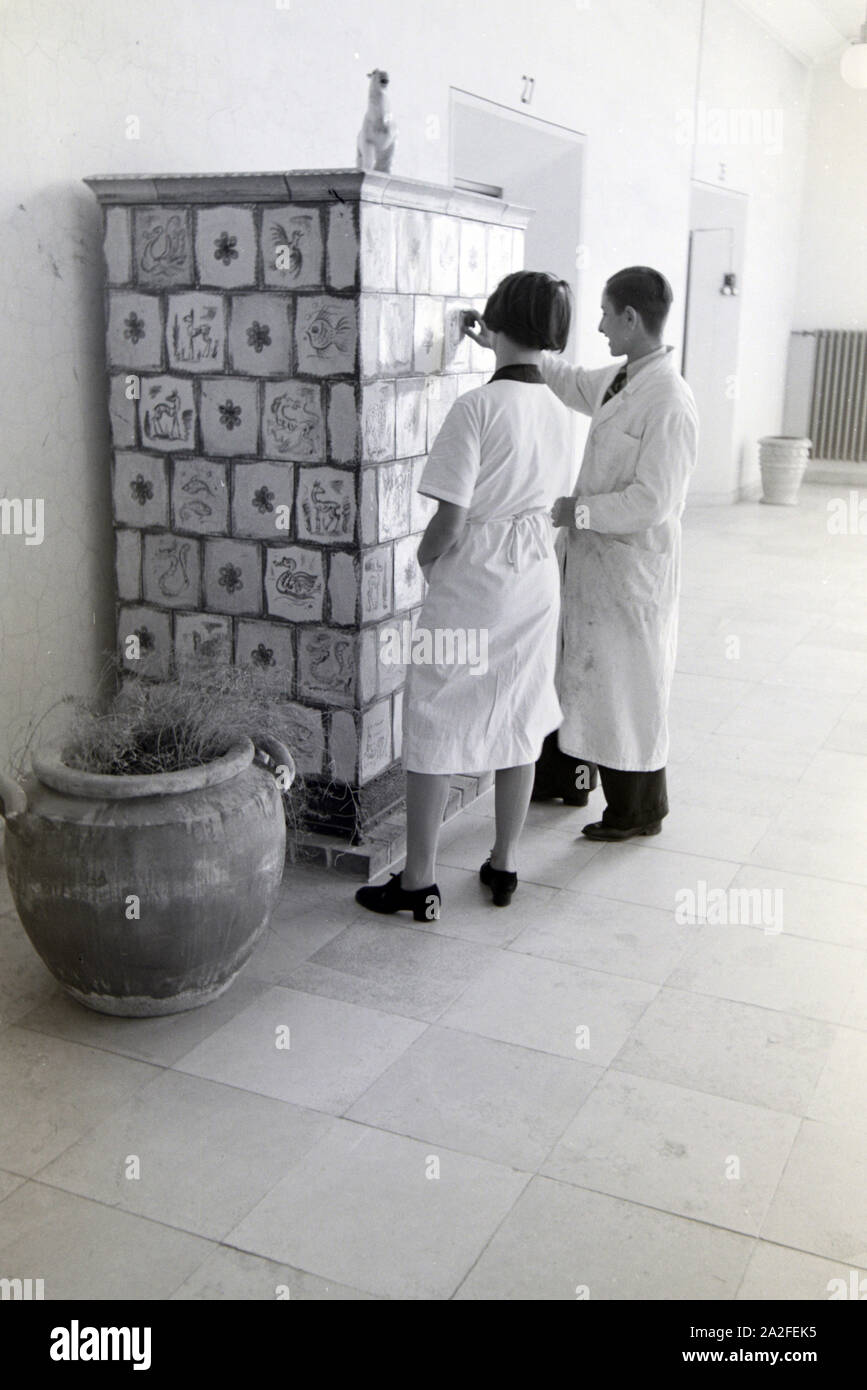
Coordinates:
(480,693)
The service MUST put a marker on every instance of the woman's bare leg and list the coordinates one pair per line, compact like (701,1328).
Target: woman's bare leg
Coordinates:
(426,797)
(512,789)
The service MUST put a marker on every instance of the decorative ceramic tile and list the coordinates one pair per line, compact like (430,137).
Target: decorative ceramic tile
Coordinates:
(162,247)
(376,583)
(167,413)
(343,747)
(325,510)
(326,665)
(153,633)
(306,738)
(225,247)
(265,647)
(368,666)
(473,277)
(456,351)
(368,506)
(427,354)
(395,333)
(134,331)
(410,417)
(260,334)
(233,576)
(117,245)
(444,255)
(326,332)
(230,416)
(121,413)
(378,255)
(292,252)
(343,588)
(442,392)
(408,578)
(421,508)
(394,486)
(390,670)
(342,247)
(413,251)
(343,440)
(293,425)
(262,500)
(202,637)
(196,332)
(499,258)
(141,490)
(200,497)
(127,563)
(294,582)
(368,334)
(375,741)
(481,359)
(397,724)
(170,570)
(377,421)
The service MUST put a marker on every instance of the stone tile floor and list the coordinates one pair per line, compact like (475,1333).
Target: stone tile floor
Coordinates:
(579,1091)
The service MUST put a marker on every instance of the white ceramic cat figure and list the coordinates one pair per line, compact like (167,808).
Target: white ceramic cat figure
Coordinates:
(378,135)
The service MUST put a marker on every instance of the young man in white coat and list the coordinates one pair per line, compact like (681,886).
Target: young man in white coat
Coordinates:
(621,578)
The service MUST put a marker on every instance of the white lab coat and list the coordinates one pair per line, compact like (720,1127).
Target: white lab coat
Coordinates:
(621,572)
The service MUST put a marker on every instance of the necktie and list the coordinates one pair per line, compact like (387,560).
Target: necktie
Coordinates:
(616,385)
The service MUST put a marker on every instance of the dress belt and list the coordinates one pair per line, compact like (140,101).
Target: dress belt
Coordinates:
(514,519)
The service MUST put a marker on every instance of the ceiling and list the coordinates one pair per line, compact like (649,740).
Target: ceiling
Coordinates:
(813,30)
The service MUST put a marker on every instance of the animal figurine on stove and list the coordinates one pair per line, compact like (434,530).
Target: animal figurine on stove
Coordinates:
(378,135)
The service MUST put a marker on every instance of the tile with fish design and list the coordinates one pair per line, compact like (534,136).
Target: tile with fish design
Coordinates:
(233,576)
(266,647)
(326,332)
(442,392)
(394,484)
(377,421)
(342,272)
(260,335)
(294,582)
(127,563)
(167,413)
(117,246)
(325,509)
(413,251)
(134,332)
(343,442)
(408,578)
(375,753)
(225,247)
(200,497)
(395,333)
(196,332)
(410,416)
(170,570)
(292,250)
(121,412)
(202,637)
(152,631)
(162,245)
(293,425)
(473,271)
(343,587)
(378,247)
(327,665)
(376,583)
(262,500)
(444,255)
(230,416)
(141,489)
(427,355)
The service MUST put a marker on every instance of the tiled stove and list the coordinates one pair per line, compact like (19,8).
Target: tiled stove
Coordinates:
(282,349)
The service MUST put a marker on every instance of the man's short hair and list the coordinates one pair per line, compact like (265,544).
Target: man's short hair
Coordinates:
(643,289)
(532,308)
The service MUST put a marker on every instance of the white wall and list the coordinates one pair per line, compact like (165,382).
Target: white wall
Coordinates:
(243,84)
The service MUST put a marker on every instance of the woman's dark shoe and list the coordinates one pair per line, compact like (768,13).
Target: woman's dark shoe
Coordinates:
(501,883)
(598,830)
(424,903)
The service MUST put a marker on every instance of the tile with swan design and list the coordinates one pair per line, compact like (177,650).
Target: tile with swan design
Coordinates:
(294,582)
(162,242)
(170,570)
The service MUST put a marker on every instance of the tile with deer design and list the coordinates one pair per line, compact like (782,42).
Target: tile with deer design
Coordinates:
(325,510)
(167,413)
(203,637)
(196,332)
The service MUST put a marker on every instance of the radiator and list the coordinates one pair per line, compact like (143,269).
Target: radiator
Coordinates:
(837,422)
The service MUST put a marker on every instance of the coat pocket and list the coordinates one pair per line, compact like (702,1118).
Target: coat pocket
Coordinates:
(636,577)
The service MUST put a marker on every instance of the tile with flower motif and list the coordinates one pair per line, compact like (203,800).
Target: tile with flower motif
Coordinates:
(397,723)
(121,412)
(368,334)
(408,578)
(368,506)
(325,510)
(260,334)
(326,665)
(444,255)
(117,246)
(343,440)
(265,647)
(127,563)
(293,425)
(144,640)
(233,576)
(225,247)
(342,588)
(375,741)
(421,508)
(141,490)
(413,251)
(391,646)
(343,747)
(395,333)
(377,421)
(473,275)
(167,413)
(202,637)
(456,342)
(342,272)
(326,333)
(292,251)
(134,331)
(200,497)
(162,247)
(442,392)
(262,500)
(294,582)
(377,587)
(196,332)
(170,570)
(410,417)
(305,736)
(230,416)
(427,353)
(378,251)
(394,486)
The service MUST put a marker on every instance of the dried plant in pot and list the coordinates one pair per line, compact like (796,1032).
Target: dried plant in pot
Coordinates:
(145,850)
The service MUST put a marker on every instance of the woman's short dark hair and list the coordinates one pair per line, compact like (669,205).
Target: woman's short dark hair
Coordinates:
(643,289)
(532,308)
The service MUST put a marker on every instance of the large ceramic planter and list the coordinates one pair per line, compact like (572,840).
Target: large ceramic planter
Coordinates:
(146,895)
(783,461)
